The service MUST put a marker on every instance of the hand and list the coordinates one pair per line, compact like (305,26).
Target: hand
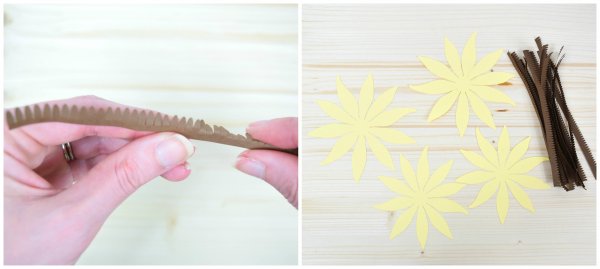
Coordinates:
(53,209)
(276,168)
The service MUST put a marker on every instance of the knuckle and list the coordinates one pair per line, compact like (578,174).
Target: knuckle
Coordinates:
(90,130)
(102,146)
(90,97)
(128,175)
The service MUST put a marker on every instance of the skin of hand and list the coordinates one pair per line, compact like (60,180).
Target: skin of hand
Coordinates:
(53,209)
(276,168)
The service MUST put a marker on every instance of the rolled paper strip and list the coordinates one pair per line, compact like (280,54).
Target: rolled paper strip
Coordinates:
(545,90)
(135,119)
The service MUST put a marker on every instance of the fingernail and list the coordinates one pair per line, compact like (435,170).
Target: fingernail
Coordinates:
(250,166)
(257,125)
(173,150)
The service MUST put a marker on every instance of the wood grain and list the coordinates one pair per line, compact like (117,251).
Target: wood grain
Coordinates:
(228,64)
(340,225)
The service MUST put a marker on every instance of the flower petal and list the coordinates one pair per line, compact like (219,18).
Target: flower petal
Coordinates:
(490,94)
(422,227)
(492,78)
(520,196)
(408,173)
(486,148)
(391,116)
(478,160)
(381,153)
(423,169)
(442,105)
(530,182)
(359,158)
(502,202)
(518,152)
(475,177)
(435,87)
(452,57)
(396,186)
(391,135)
(437,68)
(486,192)
(438,221)
(503,146)
(469,55)
(462,114)
(403,221)
(486,63)
(395,204)
(446,205)
(438,176)
(481,110)
(346,98)
(526,165)
(343,145)
(366,96)
(335,112)
(446,190)
(331,130)
(381,103)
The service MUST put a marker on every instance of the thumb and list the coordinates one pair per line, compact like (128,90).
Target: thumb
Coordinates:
(121,173)
(278,169)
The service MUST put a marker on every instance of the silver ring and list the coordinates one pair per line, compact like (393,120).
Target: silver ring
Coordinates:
(68,151)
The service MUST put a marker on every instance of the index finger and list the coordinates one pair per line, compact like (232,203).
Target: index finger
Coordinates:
(280,132)
(56,133)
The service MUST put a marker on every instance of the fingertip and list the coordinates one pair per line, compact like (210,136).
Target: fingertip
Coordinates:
(256,126)
(178,173)
(281,132)
(250,166)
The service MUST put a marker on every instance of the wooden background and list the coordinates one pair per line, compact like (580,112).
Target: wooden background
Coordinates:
(228,64)
(340,225)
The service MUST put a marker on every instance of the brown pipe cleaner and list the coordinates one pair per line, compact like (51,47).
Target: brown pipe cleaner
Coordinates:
(135,119)
(560,130)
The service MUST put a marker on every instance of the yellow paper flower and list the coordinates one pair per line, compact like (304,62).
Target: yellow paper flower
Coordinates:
(423,195)
(503,170)
(362,122)
(465,82)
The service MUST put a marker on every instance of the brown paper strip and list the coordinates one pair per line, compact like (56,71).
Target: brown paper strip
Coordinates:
(135,119)
(560,130)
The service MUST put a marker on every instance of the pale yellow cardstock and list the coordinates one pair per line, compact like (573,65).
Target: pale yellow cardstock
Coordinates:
(502,171)
(422,194)
(360,123)
(465,82)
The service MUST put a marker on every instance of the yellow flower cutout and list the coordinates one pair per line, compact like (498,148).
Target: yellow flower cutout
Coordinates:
(501,171)
(465,82)
(423,195)
(361,123)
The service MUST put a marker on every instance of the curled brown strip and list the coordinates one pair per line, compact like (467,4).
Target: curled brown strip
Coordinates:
(135,119)
(560,130)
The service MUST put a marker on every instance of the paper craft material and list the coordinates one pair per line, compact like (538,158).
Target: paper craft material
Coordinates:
(135,119)
(502,171)
(465,82)
(422,194)
(541,78)
(362,122)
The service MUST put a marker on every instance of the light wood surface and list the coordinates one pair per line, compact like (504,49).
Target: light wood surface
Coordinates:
(340,225)
(228,64)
